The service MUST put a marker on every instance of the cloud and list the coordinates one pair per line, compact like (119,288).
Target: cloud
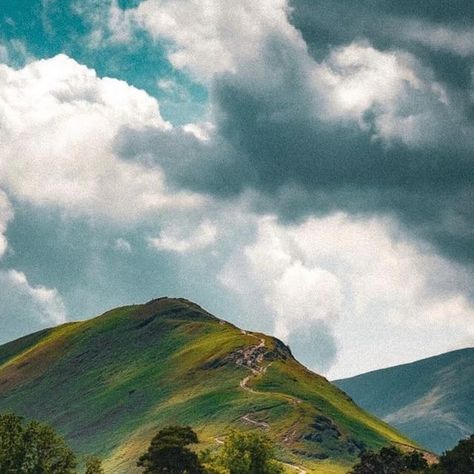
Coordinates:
(439,37)
(173,90)
(314,292)
(109,24)
(315,344)
(27,308)
(389,94)
(354,278)
(354,134)
(3,54)
(122,245)
(368,123)
(362,129)
(357,115)
(295,295)
(333,128)
(14,53)
(294,291)
(202,39)
(389,25)
(6,215)
(182,240)
(57,133)
(309,124)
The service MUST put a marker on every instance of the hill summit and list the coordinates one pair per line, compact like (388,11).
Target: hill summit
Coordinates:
(108,383)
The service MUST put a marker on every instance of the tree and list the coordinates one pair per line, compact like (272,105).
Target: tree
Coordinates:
(459,460)
(249,453)
(415,462)
(168,452)
(210,462)
(32,448)
(11,442)
(389,461)
(94,465)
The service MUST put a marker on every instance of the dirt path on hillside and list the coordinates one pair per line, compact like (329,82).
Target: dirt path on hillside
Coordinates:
(252,360)
(296,468)
(260,424)
(430,457)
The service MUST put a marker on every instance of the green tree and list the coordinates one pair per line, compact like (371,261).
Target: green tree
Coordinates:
(389,461)
(11,442)
(94,465)
(249,453)
(210,462)
(32,448)
(414,462)
(459,460)
(168,452)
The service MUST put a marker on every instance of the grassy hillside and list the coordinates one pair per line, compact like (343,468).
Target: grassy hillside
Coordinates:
(108,383)
(431,400)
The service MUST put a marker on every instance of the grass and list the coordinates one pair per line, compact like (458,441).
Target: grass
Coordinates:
(109,383)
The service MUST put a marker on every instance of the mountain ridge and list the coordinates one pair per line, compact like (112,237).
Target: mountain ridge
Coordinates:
(109,382)
(429,399)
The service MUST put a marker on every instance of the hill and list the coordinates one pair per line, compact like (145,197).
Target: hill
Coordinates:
(108,383)
(430,400)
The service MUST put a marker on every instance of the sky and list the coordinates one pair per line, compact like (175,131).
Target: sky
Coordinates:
(302,168)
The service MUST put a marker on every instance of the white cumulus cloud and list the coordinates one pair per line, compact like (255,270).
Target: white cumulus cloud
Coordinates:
(25,307)
(6,215)
(183,238)
(205,40)
(376,292)
(388,93)
(58,127)
(453,39)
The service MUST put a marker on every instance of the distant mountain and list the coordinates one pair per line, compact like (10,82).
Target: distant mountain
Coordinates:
(107,384)
(431,400)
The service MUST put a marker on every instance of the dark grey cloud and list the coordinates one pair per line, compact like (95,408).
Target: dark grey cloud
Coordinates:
(342,19)
(272,135)
(314,345)
(309,151)
(325,24)
(208,167)
(281,141)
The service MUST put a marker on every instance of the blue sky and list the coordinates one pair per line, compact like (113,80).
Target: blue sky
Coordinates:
(302,168)
(46,29)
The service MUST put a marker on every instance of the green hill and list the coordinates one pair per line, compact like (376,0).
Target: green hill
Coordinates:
(108,383)
(431,400)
